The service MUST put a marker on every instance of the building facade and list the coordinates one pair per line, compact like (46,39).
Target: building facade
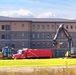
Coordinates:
(35,33)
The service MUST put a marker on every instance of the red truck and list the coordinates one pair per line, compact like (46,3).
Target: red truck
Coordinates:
(33,53)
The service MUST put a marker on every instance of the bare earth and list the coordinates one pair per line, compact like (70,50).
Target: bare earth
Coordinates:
(32,69)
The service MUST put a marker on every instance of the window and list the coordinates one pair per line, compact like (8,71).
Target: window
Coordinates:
(38,27)
(23,34)
(43,35)
(22,25)
(38,44)
(52,35)
(48,27)
(23,43)
(3,37)
(7,27)
(2,27)
(57,53)
(43,44)
(7,36)
(33,26)
(48,44)
(66,26)
(63,53)
(7,44)
(52,26)
(33,35)
(38,36)
(57,26)
(71,27)
(75,26)
(13,45)
(54,53)
(33,44)
(43,27)
(48,36)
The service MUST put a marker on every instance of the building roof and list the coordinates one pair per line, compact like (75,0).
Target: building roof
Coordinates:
(2,18)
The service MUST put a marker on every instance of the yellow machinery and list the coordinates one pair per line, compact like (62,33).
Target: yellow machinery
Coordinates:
(71,51)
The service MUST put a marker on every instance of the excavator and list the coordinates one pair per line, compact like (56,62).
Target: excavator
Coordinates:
(71,52)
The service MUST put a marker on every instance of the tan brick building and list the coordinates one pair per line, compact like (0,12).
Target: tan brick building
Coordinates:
(35,33)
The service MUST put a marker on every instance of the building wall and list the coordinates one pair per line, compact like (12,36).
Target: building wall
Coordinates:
(35,35)
(43,38)
(15,34)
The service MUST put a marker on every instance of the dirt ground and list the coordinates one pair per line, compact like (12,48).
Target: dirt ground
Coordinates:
(32,69)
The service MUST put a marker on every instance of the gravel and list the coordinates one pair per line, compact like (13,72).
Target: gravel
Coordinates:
(32,69)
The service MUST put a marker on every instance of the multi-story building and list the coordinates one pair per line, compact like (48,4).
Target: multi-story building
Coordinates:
(35,33)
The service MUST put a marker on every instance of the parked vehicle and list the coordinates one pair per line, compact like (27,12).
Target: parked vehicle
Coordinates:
(33,53)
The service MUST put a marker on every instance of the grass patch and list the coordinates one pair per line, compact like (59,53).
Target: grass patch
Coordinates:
(37,62)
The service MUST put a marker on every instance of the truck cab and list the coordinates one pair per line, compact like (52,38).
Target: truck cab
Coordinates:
(20,54)
(73,52)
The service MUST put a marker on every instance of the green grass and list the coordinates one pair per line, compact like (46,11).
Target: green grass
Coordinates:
(37,62)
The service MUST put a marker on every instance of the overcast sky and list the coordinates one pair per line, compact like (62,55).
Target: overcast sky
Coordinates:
(38,8)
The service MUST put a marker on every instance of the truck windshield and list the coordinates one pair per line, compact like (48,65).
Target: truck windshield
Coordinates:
(19,52)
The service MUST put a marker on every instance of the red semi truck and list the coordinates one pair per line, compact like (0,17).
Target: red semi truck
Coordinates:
(33,53)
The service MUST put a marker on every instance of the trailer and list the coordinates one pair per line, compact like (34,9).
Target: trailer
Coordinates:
(32,53)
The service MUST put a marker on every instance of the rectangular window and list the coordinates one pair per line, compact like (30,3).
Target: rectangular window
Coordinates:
(3,37)
(71,27)
(57,26)
(33,44)
(13,45)
(43,35)
(38,36)
(75,26)
(33,35)
(7,44)
(52,35)
(43,44)
(48,44)
(7,36)
(23,34)
(33,26)
(57,53)
(23,44)
(48,36)
(66,26)
(38,27)
(7,27)
(43,27)
(22,25)
(3,27)
(52,26)
(48,27)
(38,44)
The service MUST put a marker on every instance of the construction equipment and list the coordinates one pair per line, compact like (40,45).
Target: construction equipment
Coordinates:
(6,52)
(71,51)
